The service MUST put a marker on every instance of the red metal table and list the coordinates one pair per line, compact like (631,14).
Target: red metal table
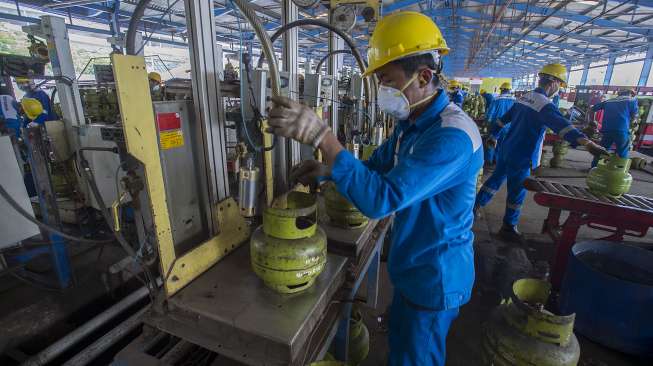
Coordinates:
(628,215)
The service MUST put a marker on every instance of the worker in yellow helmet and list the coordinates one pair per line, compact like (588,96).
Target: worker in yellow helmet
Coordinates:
(156,85)
(32,91)
(497,109)
(521,148)
(455,93)
(424,174)
(33,112)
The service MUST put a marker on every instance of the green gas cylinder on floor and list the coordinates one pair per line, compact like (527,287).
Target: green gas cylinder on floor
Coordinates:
(560,149)
(610,177)
(341,212)
(521,333)
(638,163)
(359,339)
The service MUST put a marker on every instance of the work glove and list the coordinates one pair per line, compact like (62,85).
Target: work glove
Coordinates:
(292,119)
(310,173)
(596,150)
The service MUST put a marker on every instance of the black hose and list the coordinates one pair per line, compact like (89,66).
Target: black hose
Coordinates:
(130,42)
(362,65)
(44,226)
(326,57)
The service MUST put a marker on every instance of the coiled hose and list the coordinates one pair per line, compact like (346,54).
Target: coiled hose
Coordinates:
(130,42)
(350,43)
(326,57)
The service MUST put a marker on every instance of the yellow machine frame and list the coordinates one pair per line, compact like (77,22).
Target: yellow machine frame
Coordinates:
(141,138)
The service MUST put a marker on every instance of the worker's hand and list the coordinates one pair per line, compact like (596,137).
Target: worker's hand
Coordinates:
(292,119)
(32,125)
(310,173)
(595,149)
(491,142)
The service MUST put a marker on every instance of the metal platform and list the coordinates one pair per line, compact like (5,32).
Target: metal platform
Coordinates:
(230,311)
(341,241)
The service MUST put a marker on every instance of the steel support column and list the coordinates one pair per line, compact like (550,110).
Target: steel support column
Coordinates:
(289,14)
(583,78)
(54,30)
(608,71)
(206,61)
(646,68)
(335,64)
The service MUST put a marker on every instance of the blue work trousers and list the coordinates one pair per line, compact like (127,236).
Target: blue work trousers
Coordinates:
(417,335)
(621,141)
(490,154)
(516,190)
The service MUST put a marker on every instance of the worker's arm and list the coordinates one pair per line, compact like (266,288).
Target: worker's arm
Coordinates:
(552,118)
(598,106)
(434,165)
(491,112)
(634,109)
(500,123)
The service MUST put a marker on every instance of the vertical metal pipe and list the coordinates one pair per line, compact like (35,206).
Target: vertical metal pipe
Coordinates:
(646,68)
(289,14)
(608,70)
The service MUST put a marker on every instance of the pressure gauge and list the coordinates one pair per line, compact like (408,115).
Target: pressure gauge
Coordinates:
(344,17)
(304,4)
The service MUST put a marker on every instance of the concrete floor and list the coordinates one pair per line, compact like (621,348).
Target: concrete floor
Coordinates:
(463,342)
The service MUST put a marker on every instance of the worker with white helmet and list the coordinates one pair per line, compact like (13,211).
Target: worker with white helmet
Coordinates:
(521,149)
(424,173)
(497,109)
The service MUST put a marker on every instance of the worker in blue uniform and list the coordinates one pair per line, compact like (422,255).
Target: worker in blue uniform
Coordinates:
(32,91)
(489,98)
(617,115)
(497,109)
(9,112)
(33,112)
(521,149)
(456,95)
(424,173)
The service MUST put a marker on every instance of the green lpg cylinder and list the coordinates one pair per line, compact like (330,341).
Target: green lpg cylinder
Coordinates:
(638,163)
(521,333)
(288,266)
(341,212)
(610,177)
(359,339)
(295,218)
(560,149)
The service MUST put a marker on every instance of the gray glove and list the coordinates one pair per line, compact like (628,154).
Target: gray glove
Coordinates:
(292,119)
(310,173)
(596,150)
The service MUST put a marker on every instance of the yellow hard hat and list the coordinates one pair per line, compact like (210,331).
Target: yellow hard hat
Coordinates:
(21,80)
(32,107)
(403,34)
(558,71)
(453,84)
(506,85)
(483,91)
(154,76)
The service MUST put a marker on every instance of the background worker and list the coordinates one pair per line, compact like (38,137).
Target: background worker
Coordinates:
(156,85)
(32,91)
(33,112)
(9,112)
(618,113)
(425,174)
(456,95)
(520,151)
(489,98)
(497,109)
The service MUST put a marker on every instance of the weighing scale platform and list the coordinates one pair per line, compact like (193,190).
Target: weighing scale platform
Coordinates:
(341,241)
(230,311)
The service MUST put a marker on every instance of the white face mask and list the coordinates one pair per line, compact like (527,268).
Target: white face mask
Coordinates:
(395,103)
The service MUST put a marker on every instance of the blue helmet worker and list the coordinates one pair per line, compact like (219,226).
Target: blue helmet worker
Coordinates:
(32,91)
(497,109)
(617,115)
(522,146)
(424,173)
(489,97)
(456,93)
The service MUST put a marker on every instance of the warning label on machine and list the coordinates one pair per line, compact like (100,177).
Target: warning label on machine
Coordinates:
(171,139)
(170,134)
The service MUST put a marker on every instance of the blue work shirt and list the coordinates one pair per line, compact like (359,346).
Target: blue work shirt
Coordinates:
(489,98)
(457,97)
(431,189)
(497,109)
(556,100)
(9,113)
(529,117)
(617,113)
(43,97)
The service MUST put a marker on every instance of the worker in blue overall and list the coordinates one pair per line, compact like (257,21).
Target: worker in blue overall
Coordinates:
(32,91)
(489,98)
(456,94)
(424,174)
(33,112)
(497,109)
(617,115)
(521,149)
(9,112)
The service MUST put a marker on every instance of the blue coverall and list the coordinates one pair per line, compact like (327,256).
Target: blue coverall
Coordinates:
(43,97)
(9,113)
(489,98)
(617,115)
(497,109)
(457,98)
(430,188)
(520,150)
(556,100)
